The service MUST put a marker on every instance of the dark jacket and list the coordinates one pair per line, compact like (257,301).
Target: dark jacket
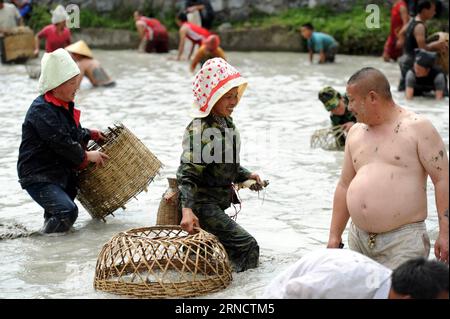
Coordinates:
(52,146)
(207,180)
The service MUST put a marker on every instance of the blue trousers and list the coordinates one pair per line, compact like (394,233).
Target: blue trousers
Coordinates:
(60,210)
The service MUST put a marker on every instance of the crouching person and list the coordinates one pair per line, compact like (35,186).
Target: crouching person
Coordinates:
(53,143)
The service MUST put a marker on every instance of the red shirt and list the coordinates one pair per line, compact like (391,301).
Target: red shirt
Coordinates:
(196,33)
(54,39)
(156,26)
(396,18)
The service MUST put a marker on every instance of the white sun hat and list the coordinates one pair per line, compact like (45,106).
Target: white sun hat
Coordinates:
(56,68)
(215,79)
(59,14)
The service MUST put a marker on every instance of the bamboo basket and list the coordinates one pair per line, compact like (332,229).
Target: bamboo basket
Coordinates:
(442,57)
(18,45)
(162,262)
(33,67)
(328,138)
(129,170)
(168,206)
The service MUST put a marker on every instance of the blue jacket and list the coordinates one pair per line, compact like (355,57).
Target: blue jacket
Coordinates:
(52,146)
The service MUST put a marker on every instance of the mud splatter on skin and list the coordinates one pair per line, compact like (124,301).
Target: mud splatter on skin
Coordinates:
(376,149)
(355,160)
(441,154)
(397,158)
(397,128)
(364,206)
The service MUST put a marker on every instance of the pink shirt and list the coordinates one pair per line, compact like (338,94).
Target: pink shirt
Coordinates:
(54,40)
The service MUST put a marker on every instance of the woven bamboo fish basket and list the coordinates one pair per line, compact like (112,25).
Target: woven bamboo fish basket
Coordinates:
(329,138)
(18,45)
(33,67)
(129,170)
(162,262)
(442,59)
(168,206)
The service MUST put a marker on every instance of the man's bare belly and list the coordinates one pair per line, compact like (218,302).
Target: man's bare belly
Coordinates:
(383,197)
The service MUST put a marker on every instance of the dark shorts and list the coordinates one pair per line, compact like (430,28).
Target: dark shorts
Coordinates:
(159,44)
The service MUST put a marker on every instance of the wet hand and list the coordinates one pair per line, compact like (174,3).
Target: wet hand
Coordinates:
(97,157)
(441,247)
(334,242)
(256,177)
(189,222)
(97,135)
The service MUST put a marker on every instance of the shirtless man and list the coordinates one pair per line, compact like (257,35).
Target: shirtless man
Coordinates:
(388,156)
(89,67)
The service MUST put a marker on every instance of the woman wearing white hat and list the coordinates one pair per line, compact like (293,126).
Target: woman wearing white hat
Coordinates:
(53,143)
(210,166)
(56,35)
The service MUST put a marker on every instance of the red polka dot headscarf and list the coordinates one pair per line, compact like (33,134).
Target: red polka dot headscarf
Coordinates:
(214,79)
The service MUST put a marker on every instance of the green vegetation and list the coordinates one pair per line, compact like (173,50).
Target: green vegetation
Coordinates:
(118,19)
(348,28)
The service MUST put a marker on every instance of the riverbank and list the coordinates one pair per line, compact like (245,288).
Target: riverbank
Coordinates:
(261,32)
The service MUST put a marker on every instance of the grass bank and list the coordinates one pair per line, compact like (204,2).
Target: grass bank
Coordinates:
(349,28)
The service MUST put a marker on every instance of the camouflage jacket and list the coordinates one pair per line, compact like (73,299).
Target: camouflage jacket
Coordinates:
(210,163)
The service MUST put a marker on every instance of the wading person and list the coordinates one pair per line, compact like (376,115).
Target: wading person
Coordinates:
(210,162)
(393,48)
(415,35)
(425,77)
(204,9)
(319,42)
(89,66)
(9,17)
(189,31)
(153,34)
(337,105)
(209,49)
(388,156)
(53,143)
(345,274)
(56,35)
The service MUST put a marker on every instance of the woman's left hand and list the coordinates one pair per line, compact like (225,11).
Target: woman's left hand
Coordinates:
(97,135)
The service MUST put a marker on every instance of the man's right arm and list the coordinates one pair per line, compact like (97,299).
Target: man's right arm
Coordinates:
(419,34)
(340,215)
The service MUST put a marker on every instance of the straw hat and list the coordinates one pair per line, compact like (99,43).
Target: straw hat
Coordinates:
(214,79)
(56,68)
(80,48)
(59,14)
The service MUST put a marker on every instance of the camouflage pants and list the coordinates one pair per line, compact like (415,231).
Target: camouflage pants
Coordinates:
(241,247)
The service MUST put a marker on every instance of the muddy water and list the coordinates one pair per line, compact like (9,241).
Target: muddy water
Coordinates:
(276,118)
